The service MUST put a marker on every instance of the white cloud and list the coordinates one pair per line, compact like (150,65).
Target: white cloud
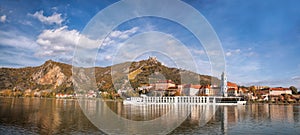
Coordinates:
(116,36)
(3,18)
(228,53)
(123,34)
(233,52)
(54,8)
(251,66)
(108,41)
(61,41)
(55,18)
(25,22)
(16,39)
(108,57)
(199,52)
(296,78)
(241,68)
(17,49)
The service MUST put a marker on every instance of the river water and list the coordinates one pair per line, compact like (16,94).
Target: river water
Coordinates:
(65,116)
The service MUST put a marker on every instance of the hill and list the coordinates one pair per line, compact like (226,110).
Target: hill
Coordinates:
(57,77)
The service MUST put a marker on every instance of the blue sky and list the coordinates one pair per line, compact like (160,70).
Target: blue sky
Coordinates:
(260,39)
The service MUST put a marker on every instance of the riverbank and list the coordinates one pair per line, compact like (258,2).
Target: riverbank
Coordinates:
(73,98)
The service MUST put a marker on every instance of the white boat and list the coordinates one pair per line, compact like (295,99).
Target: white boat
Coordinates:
(241,102)
(135,101)
(204,100)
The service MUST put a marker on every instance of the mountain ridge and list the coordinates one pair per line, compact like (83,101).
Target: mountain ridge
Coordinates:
(57,76)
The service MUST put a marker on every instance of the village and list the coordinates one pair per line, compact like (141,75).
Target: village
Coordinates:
(252,93)
(227,89)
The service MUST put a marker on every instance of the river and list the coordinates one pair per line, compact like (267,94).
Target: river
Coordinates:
(65,116)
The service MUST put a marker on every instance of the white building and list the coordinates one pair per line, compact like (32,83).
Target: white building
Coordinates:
(163,85)
(279,91)
(224,84)
(191,90)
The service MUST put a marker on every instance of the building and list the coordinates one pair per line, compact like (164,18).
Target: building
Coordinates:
(232,89)
(59,95)
(180,87)
(191,90)
(171,91)
(226,88)
(243,91)
(145,87)
(279,90)
(215,90)
(206,90)
(224,84)
(163,85)
(275,91)
(260,87)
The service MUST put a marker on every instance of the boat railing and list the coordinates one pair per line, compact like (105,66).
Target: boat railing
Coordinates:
(186,99)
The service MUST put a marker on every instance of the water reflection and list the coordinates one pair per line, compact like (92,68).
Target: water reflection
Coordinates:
(42,116)
(250,119)
(132,119)
(60,116)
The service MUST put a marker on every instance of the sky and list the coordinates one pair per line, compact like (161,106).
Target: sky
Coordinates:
(260,39)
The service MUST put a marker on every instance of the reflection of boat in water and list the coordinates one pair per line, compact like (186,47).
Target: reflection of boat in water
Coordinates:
(202,100)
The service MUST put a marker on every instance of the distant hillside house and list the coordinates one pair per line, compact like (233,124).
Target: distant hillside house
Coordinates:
(260,87)
(145,87)
(279,91)
(163,85)
(276,91)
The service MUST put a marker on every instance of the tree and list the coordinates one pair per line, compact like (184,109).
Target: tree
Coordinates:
(253,90)
(294,89)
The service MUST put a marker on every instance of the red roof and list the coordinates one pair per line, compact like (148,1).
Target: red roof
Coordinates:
(230,84)
(196,86)
(192,86)
(231,89)
(279,89)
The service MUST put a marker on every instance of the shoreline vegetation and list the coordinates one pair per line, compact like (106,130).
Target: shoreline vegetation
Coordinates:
(73,98)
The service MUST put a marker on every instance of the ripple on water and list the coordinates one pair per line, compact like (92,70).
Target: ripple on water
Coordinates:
(14,130)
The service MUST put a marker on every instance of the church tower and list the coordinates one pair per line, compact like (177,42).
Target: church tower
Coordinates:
(224,84)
